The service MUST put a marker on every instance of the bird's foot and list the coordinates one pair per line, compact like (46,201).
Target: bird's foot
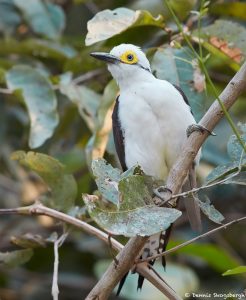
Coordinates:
(198,127)
(163,194)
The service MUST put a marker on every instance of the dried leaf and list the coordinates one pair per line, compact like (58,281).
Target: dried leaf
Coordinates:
(199,80)
(233,52)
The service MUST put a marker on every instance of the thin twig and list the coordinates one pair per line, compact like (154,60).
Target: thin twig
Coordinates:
(159,283)
(87,76)
(39,209)
(192,240)
(195,190)
(57,244)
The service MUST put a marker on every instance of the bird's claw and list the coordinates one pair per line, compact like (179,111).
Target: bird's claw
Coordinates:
(163,194)
(198,127)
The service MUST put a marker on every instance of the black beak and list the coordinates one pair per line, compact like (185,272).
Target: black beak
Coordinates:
(108,58)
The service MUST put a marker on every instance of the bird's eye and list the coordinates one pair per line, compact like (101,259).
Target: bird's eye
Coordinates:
(130,57)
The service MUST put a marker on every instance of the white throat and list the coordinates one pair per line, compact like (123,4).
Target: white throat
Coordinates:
(129,75)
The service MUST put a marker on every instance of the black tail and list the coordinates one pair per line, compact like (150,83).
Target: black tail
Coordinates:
(164,238)
(163,244)
(121,284)
(141,278)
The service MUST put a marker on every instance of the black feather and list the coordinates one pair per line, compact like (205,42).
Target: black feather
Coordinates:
(121,284)
(166,240)
(141,278)
(120,149)
(182,94)
(118,136)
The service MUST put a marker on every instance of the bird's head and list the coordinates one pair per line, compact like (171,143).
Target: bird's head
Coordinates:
(125,61)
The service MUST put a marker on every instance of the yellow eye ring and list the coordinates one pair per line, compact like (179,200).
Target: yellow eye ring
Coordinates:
(129,57)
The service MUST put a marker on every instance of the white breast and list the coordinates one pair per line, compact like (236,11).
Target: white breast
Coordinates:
(154,119)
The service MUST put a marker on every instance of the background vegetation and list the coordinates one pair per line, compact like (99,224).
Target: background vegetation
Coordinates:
(57,100)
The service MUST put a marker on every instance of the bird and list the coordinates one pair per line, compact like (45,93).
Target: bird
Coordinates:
(149,121)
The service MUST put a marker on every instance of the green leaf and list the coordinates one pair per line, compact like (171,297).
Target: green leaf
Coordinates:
(38,48)
(40,100)
(235,151)
(44,18)
(113,184)
(9,17)
(232,9)
(231,33)
(213,255)
(63,186)
(108,23)
(234,148)
(142,221)
(52,49)
(223,171)
(235,271)
(134,192)
(211,212)
(15,258)
(180,72)
(135,213)
(85,99)
(107,179)
(239,179)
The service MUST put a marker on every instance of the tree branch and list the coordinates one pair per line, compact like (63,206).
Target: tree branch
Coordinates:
(174,182)
(39,209)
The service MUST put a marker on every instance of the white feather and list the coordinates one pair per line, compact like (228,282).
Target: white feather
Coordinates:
(154,118)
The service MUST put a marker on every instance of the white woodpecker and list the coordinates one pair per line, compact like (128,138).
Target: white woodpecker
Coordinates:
(150,120)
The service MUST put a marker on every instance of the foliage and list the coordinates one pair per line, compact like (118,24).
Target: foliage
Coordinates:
(56,99)
(40,99)
(108,23)
(235,271)
(63,186)
(134,212)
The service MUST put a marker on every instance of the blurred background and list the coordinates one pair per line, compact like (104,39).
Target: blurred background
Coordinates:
(57,100)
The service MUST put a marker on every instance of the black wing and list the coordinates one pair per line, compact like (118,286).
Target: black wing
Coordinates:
(118,136)
(183,95)
(120,149)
